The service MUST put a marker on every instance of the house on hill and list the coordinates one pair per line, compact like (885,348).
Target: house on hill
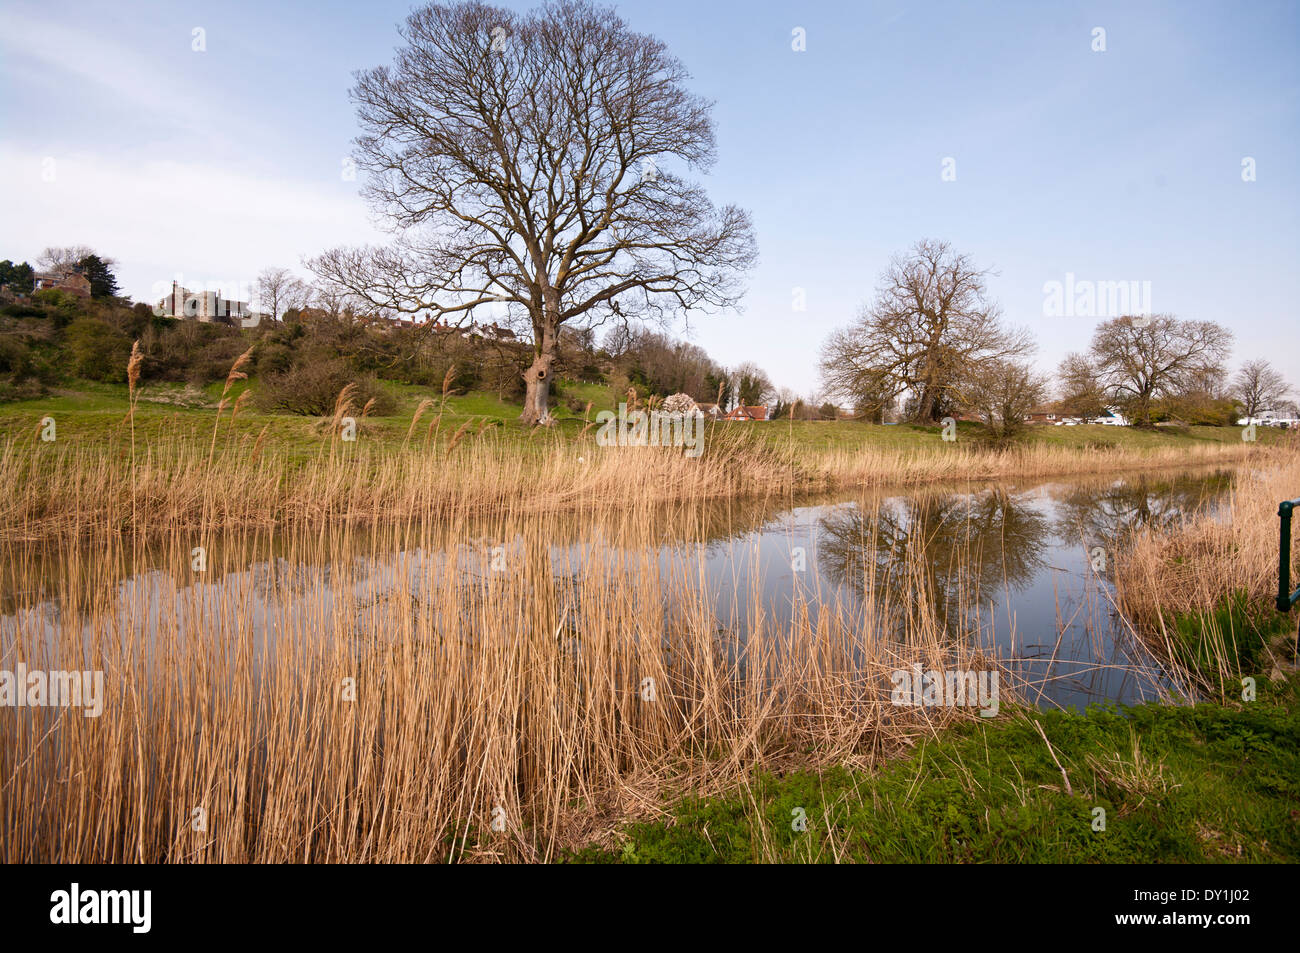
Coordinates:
(205,306)
(69,279)
(1042,415)
(741,412)
(489,332)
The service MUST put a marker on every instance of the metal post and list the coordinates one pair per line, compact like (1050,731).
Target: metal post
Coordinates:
(1284,557)
(1285,597)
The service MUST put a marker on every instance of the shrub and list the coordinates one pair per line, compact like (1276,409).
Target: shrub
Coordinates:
(66,307)
(213,360)
(96,351)
(311,388)
(28,388)
(15,357)
(19,309)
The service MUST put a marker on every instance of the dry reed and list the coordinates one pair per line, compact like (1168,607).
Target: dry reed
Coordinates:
(386,696)
(1198,565)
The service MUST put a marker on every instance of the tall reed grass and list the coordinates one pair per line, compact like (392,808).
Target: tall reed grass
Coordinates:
(381,657)
(195,479)
(1201,590)
(427,690)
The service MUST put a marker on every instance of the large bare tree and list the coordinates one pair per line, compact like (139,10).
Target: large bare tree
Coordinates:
(929,331)
(61,258)
(538,162)
(1259,387)
(1146,359)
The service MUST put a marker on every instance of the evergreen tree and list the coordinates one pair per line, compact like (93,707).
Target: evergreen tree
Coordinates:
(18,278)
(103,283)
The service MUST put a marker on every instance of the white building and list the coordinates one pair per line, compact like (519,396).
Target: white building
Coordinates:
(1269,418)
(1112,418)
(205,306)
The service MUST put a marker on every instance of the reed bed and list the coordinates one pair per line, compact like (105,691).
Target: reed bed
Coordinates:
(195,479)
(462,647)
(1216,569)
(425,690)
(876,467)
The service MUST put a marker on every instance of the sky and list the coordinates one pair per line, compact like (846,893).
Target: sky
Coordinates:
(208,141)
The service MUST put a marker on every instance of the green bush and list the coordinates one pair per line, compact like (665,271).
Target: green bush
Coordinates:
(96,351)
(15,357)
(20,309)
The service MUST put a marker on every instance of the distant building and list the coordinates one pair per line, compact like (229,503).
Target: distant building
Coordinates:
(1269,418)
(1041,415)
(489,332)
(205,306)
(710,411)
(69,279)
(741,412)
(1111,418)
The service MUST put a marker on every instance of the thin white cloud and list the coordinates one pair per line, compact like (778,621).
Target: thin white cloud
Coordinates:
(158,217)
(55,57)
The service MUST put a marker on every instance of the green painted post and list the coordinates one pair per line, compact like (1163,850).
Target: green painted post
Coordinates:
(1285,597)
(1284,556)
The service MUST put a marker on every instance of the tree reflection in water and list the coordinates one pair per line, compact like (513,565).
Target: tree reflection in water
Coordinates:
(935,552)
(1103,515)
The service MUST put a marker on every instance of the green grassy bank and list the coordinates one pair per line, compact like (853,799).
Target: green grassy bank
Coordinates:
(1194,784)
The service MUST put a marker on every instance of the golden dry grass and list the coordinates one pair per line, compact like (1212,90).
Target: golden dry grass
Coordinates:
(194,480)
(1196,567)
(359,674)
(334,695)
(1198,561)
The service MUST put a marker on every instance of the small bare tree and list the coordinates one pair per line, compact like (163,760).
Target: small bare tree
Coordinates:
(534,162)
(279,290)
(1080,388)
(1003,393)
(1148,359)
(1259,387)
(929,329)
(61,258)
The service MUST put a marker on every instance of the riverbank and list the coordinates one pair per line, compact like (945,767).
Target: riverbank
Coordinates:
(1201,591)
(1151,784)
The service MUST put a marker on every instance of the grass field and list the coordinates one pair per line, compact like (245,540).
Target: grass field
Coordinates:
(93,413)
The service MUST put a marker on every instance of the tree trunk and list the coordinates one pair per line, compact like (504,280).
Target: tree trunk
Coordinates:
(537,379)
(925,405)
(537,384)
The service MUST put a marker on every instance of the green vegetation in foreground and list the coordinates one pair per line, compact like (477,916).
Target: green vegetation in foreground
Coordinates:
(1195,784)
(1234,633)
(93,413)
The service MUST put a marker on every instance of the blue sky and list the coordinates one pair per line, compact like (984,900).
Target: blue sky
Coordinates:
(1123,165)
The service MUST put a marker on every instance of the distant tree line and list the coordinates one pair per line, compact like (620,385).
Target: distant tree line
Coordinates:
(931,344)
